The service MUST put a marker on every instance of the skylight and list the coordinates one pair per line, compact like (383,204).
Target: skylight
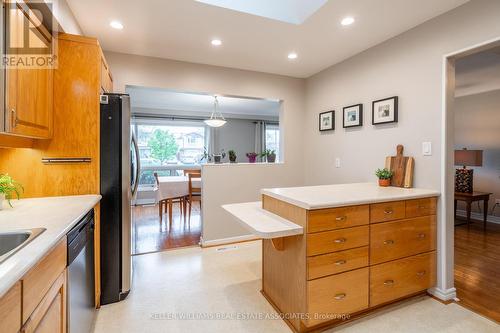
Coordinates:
(290,11)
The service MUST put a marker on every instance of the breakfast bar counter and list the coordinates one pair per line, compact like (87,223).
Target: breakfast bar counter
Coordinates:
(362,246)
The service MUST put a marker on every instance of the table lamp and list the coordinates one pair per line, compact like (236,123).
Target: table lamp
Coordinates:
(464,176)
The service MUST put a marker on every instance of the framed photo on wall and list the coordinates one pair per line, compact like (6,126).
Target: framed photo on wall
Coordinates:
(353,116)
(385,111)
(327,121)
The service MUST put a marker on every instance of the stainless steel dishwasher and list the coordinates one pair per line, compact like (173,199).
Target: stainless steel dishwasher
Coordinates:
(81,286)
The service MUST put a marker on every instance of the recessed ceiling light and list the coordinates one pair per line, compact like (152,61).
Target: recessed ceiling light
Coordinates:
(347,21)
(216,42)
(116,25)
(292,55)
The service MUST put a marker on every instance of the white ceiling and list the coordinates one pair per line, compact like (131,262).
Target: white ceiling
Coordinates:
(478,73)
(183,29)
(155,101)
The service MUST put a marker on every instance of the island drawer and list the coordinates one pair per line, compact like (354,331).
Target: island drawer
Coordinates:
(37,282)
(337,262)
(394,240)
(403,277)
(421,207)
(337,295)
(337,240)
(337,218)
(387,211)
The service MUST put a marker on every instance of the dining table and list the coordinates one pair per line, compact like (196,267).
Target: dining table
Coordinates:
(174,187)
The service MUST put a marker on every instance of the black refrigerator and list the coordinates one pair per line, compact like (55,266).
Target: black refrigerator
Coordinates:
(119,181)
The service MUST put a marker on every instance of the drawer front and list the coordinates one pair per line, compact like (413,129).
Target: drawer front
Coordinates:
(403,277)
(421,207)
(387,211)
(37,282)
(337,218)
(10,310)
(337,262)
(394,240)
(335,295)
(337,240)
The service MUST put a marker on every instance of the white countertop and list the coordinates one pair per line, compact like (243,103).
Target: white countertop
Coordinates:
(57,214)
(262,223)
(328,196)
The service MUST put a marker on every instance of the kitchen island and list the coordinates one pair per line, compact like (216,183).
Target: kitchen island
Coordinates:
(357,247)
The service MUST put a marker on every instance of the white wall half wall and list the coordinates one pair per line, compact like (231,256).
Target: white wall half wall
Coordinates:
(224,184)
(409,66)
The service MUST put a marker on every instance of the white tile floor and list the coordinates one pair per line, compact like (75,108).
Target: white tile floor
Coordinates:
(227,283)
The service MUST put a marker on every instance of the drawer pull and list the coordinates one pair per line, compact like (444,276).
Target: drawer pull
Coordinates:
(341,218)
(340,240)
(388,242)
(422,207)
(388,211)
(340,262)
(421,236)
(421,273)
(340,296)
(388,282)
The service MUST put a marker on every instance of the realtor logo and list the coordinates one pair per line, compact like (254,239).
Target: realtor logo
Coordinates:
(30,42)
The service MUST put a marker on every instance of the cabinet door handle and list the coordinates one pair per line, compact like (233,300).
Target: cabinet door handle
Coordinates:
(340,240)
(422,207)
(388,242)
(340,296)
(421,236)
(421,273)
(388,211)
(341,218)
(340,262)
(14,118)
(388,282)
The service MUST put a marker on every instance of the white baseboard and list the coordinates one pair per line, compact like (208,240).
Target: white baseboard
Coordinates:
(479,216)
(443,294)
(224,241)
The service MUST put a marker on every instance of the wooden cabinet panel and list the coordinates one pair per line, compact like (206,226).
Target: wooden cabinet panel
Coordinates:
(106,79)
(394,240)
(337,262)
(421,207)
(10,310)
(337,240)
(403,277)
(337,295)
(336,218)
(387,211)
(40,278)
(50,314)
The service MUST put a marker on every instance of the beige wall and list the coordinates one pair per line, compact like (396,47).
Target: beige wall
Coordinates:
(477,126)
(411,67)
(66,18)
(232,183)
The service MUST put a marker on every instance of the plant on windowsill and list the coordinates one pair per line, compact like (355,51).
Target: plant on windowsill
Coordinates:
(232,156)
(384,176)
(270,155)
(251,157)
(8,189)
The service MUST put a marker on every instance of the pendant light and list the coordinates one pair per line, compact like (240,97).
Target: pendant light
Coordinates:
(216,119)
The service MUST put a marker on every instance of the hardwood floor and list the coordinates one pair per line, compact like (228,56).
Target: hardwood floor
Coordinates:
(149,236)
(477,268)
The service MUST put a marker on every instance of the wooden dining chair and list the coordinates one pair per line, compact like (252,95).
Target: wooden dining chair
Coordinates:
(194,192)
(196,171)
(166,205)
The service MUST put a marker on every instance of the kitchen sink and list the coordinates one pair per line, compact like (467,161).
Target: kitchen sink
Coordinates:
(13,241)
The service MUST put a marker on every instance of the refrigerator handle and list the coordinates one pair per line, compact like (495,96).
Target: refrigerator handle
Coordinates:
(137,164)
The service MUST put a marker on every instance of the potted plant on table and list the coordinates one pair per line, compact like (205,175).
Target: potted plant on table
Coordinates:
(251,157)
(269,154)
(232,156)
(8,188)
(384,176)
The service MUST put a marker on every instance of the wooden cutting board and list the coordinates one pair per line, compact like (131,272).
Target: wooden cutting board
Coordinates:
(402,168)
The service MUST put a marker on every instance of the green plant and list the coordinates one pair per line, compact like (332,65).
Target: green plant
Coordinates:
(267,152)
(163,145)
(232,155)
(10,187)
(384,173)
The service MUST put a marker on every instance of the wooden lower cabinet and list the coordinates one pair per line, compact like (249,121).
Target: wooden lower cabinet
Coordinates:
(10,310)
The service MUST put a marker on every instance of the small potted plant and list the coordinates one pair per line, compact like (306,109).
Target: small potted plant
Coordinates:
(251,157)
(270,155)
(232,156)
(218,157)
(384,176)
(8,188)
